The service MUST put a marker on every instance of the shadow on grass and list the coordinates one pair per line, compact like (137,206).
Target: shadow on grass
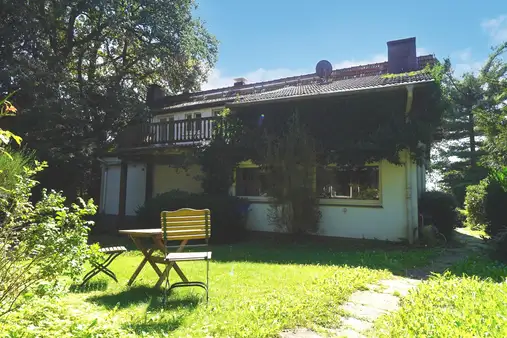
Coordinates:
(153,298)
(96,285)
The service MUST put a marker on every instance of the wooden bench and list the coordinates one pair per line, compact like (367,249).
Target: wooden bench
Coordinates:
(184,225)
(102,266)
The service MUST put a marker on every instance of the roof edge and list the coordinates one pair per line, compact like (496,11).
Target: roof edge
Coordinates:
(336,93)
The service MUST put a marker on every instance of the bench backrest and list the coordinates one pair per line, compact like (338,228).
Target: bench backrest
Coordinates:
(191,224)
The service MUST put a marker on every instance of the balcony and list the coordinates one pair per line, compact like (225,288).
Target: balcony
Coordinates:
(180,132)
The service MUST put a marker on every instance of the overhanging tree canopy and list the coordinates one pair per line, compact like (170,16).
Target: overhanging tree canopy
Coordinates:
(82,69)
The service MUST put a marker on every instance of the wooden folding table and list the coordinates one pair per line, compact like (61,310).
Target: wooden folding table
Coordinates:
(138,236)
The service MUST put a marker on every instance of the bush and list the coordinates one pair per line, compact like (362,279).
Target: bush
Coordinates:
(499,245)
(486,205)
(495,207)
(228,213)
(440,208)
(475,206)
(12,166)
(39,242)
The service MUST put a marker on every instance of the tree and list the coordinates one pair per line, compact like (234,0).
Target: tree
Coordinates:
(492,117)
(83,66)
(458,155)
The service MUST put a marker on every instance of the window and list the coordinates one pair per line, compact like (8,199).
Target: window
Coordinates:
(361,183)
(216,112)
(250,182)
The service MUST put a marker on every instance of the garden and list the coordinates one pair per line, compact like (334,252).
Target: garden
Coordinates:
(76,80)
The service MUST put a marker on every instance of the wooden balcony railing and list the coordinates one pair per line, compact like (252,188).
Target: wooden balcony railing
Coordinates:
(171,132)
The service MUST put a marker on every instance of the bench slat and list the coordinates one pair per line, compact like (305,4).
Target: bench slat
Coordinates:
(113,249)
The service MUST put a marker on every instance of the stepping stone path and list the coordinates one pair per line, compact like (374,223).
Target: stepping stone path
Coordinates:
(364,307)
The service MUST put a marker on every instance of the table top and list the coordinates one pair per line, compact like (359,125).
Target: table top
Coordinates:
(141,232)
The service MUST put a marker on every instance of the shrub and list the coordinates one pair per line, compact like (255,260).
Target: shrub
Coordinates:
(499,245)
(228,213)
(475,205)
(440,208)
(12,166)
(495,207)
(38,242)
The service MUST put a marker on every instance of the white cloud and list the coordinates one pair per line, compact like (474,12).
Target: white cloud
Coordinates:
(463,62)
(496,28)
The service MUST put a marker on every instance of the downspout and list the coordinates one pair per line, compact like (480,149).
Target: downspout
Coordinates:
(103,186)
(408,170)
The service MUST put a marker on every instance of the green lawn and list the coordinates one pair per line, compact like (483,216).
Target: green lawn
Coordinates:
(470,300)
(256,290)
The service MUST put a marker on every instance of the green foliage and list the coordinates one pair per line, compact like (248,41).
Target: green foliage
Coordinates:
(475,205)
(289,162)
(495,206)
(457,155)
(351,130)
(448,306)
(11,167)
(83,71)
(39,242)
(7,109)
(485,204)
(499,245)
(228,213)
(493,113)
(219,158)
(440,209)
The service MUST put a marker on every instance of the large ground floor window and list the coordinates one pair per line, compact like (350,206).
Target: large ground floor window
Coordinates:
(360,183)
(250,182)
(331,182)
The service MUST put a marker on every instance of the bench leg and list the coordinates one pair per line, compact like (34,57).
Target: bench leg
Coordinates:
(101,267)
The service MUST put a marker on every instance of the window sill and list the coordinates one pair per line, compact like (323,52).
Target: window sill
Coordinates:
(323,201)
(350,202)
(259,199)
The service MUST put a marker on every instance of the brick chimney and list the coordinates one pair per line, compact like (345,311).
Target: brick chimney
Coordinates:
(240,81)
(401,56)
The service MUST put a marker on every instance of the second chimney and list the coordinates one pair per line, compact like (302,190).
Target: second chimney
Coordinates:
(240,81)
(401,56)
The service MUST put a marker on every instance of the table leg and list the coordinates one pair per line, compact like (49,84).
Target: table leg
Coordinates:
(147,258)
(172,265)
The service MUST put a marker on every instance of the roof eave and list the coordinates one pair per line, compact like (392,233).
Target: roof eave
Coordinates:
(330,94)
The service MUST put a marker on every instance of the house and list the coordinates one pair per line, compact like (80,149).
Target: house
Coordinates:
(376,200)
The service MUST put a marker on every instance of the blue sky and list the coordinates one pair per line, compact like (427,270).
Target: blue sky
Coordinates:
(263,40)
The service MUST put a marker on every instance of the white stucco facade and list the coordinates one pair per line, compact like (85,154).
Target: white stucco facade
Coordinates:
(390,219)
(167,178)
(393,217)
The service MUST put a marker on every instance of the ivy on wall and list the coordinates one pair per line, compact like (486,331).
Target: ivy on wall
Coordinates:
(347,130)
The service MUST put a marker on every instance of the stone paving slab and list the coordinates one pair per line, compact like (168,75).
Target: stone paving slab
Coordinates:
(356,324)
(299,333)
(359,311)
(382,301)
(347,333)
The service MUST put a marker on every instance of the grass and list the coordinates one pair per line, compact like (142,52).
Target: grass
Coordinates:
(256,290)
(466,301)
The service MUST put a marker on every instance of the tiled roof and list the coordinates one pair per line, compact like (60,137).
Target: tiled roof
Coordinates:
(341,80)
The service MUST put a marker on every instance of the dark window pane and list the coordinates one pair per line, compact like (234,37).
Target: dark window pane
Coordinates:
(250,182)
(357,183)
